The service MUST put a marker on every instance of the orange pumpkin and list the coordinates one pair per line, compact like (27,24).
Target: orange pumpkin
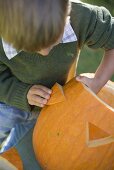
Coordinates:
(75,131)
(10,160)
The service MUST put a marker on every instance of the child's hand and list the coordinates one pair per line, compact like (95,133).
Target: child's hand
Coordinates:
(38,95)
(93,83)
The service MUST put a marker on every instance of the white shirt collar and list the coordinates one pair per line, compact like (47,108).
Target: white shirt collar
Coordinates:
(68,36)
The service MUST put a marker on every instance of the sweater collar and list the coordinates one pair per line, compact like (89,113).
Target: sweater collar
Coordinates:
(68,36)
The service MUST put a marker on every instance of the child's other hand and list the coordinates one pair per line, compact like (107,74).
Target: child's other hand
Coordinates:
(93,83)
(38,95)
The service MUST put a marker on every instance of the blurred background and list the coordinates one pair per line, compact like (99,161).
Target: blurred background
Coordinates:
(90,59)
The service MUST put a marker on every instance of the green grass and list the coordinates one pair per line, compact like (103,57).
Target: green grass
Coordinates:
(89,61)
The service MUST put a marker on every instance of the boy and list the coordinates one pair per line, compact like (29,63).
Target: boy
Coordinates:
(39,46)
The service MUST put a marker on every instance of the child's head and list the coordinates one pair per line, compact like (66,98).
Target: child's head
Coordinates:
(32,25)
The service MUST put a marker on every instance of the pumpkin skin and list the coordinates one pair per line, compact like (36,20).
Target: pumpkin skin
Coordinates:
(11,160)
(75,130)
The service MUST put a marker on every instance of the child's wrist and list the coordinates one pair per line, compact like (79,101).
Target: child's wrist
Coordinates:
(97,85)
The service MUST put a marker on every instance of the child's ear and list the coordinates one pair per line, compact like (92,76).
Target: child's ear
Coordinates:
(57,95)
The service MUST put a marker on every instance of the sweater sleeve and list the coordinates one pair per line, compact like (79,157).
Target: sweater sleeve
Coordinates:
(93,25)
(12,91)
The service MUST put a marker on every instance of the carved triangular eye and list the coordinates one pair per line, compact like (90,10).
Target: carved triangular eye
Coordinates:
(96,136)
(57,95)
(96,133)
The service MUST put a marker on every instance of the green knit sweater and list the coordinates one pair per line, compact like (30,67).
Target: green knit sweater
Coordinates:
(93,26)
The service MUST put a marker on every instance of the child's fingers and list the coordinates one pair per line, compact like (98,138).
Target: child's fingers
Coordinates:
(42,93)
(38,99)
(80,78)
(31,102)
(38,95)
(84,80)
(45,89)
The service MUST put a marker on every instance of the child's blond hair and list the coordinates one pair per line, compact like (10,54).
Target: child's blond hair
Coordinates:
(32,24)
